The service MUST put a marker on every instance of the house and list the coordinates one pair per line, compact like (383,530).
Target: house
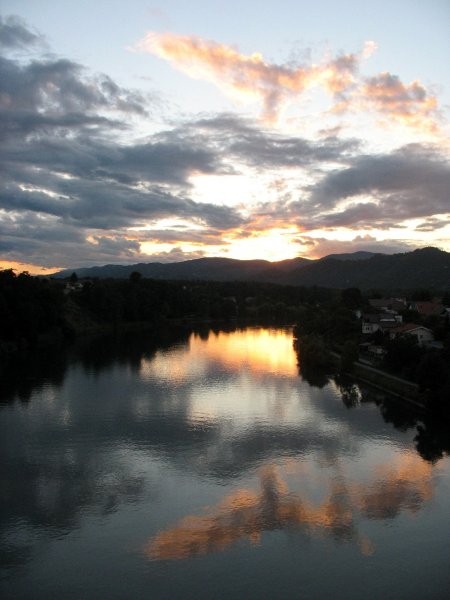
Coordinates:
(385,321)
(388,304)
(73,286)
(427,308)
(370,324)
(423,335)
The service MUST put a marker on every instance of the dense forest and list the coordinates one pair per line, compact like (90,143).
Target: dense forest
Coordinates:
(33,307)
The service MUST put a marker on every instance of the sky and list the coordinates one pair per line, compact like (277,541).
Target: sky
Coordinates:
(145,131)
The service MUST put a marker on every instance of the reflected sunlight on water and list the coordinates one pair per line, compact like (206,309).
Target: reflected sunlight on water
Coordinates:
(263,351)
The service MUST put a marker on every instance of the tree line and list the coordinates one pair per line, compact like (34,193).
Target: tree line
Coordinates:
(32,308)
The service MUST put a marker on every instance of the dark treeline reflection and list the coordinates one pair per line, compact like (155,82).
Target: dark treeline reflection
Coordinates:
(24,374)
(432,440)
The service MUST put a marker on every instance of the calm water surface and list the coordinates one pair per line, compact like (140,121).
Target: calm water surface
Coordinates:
(203,465)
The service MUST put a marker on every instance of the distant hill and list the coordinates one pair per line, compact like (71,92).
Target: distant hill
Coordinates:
(423,268)
(206,269)
(360,255)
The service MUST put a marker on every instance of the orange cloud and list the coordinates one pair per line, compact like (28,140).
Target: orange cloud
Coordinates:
(250,75)
(274,85)
(406,483)
(410,104)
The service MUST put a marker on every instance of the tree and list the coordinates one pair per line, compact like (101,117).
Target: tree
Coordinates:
(351,297)
(349,355)
(402,356)
(421,295)
(135,276)
(432,371)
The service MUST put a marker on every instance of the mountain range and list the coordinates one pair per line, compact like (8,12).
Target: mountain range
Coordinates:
(422,268)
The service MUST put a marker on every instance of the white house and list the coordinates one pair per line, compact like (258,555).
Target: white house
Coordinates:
(423,335)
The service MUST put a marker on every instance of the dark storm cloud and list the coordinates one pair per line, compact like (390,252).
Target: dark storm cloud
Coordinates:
(412,169)
(110,205)
(362,214)
(65,170)
(61,87)
(431,224)
(85,156)
(413,182)
(161,161)
(48,239)
(27,225)
(280,151)
(25,122)
(245,140)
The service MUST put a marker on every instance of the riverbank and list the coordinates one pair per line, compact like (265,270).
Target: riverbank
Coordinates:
(405,390)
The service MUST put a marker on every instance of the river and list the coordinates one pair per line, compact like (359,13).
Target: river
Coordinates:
(202,464)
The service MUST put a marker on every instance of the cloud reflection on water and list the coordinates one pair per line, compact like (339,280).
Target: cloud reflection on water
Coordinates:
(246,514)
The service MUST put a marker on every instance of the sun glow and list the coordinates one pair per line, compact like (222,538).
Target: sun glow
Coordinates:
(274,245)
(32,269)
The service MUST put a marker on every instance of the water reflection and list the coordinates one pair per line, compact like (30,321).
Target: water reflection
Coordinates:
(169,422)
(403,485)
(247,514)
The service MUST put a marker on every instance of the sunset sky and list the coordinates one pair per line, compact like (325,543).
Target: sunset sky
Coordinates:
(142,131)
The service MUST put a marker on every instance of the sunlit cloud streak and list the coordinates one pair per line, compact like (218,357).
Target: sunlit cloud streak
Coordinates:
(250,75)
(276,85)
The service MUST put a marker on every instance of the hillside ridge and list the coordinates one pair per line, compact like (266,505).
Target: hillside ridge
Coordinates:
(424,267)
